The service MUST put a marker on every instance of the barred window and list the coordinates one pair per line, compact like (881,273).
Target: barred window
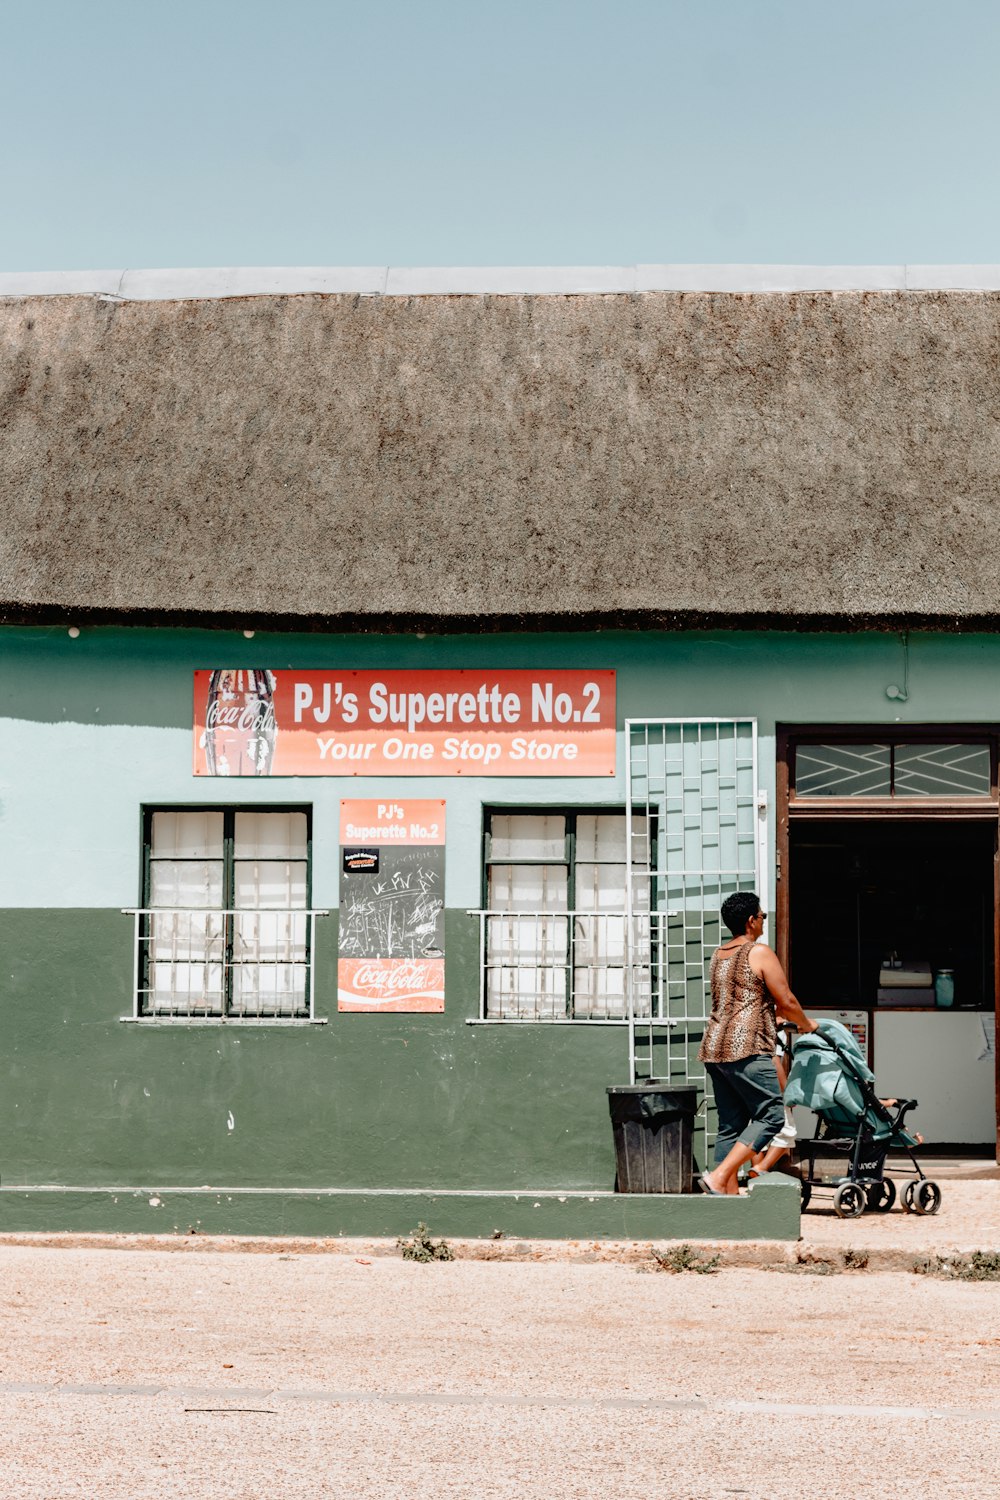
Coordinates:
(225,927)
(554,923)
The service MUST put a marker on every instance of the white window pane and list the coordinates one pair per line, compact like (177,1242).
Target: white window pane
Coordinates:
(187,835)
(527,836)
(270,835)
(195,882)
(600,887)
(528,888)
(599,939)
(269,989)
(641,891)
(642,997)
(186,935)
(599,993)
(270,937)
(270,883)
(515,941)
(603,836)
(647,932)
(185,987)
(526,994)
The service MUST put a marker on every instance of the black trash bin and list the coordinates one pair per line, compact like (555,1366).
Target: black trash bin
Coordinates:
(653,1129)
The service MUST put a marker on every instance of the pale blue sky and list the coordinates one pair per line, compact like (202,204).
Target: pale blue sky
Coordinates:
(432,132)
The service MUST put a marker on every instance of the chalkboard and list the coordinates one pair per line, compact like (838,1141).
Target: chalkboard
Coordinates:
(397,912)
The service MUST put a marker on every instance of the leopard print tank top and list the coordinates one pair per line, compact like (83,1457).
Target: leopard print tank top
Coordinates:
(742,1022)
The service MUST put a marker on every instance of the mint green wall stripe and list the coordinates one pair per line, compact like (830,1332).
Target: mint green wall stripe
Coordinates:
(92,728)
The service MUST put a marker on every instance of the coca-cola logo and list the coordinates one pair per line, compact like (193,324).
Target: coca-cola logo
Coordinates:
(400,975)
(248,717)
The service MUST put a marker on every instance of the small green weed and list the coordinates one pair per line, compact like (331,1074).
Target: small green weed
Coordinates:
(422,1248)
(984,1265)
(805,1264)
(686,1258)
(981,1265)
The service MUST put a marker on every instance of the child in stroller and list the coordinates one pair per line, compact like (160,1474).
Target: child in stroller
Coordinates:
(855,1129)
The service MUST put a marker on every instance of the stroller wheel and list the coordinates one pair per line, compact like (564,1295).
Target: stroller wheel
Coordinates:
(909,1207)
(805,1188)
(882,1195)
(849,1200)
(926,1197)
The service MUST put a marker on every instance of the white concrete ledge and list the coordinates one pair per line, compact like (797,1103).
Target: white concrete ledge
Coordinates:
(479,281)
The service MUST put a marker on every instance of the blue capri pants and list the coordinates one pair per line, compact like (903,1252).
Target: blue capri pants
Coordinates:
(748,1098)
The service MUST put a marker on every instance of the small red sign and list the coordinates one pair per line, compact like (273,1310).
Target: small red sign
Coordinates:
(390,984)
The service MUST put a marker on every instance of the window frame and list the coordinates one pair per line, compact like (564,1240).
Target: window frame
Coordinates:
(892,736)
(568,861)
(143,911)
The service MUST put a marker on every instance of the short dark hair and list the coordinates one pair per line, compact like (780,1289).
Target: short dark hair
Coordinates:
(738,909)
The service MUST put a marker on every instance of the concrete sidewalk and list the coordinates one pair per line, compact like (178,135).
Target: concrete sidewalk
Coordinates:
(969,1219)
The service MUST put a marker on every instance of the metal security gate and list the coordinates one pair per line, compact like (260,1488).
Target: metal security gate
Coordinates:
(698,831)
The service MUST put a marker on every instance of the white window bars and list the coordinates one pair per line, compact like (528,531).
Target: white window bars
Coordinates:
(222,964)
(570,965)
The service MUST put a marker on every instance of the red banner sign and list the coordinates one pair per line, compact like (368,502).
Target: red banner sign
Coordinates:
(259,722)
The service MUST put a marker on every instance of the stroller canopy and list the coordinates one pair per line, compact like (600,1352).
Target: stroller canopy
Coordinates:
(830,1075)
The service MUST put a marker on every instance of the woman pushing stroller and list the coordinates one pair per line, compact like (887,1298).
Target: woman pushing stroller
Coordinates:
(749,994)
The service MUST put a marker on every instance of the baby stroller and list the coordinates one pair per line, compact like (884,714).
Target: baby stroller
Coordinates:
(854,1131)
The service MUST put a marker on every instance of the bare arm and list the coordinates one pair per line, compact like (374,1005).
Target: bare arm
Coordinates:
(785,1003)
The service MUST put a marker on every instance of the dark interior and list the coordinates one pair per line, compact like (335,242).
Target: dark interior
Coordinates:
(861,889)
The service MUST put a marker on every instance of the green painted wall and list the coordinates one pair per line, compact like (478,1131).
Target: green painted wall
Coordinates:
(393,1100)
(93,728)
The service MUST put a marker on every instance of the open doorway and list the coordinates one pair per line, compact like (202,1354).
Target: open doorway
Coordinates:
(866,893)
(888,908)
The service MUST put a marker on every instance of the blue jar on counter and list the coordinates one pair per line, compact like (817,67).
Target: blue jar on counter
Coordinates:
(944,988)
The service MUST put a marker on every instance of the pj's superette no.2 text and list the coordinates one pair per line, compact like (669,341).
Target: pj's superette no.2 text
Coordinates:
(410,714)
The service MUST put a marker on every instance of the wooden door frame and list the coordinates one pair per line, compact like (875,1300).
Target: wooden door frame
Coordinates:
(788,735)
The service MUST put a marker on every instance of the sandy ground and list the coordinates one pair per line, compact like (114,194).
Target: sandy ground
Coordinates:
(357,1375)
(969,1219)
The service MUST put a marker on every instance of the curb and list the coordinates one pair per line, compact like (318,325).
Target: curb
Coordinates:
(746,1254)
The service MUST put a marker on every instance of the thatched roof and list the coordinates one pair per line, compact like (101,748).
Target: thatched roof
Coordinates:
(649,458)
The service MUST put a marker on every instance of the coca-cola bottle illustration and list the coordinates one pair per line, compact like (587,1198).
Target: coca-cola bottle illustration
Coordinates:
(240,727)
